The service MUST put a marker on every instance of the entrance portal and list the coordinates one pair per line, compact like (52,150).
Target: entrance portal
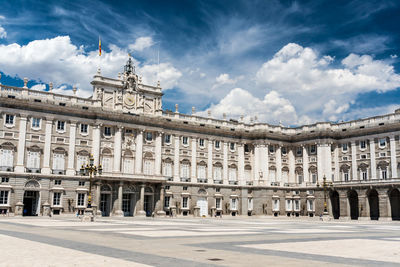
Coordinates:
(203,205)
(128,204)
(105,204)
(395,204)
(148,204)
(373,201)
(31,203)
(335,204)
(353,201)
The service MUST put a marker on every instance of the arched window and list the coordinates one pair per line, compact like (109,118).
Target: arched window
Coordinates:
(167,167)
(232,173)
(185,169)
(127,163)
(201,170)
(106,160)
(7,155)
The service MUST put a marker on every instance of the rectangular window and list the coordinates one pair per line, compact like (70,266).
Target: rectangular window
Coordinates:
(283,150)
(168,169)
(382,142)
(5,179)
(167,201)
(201,171)
(364,175)
(246,148)
(81,161)
(35,123)
(384,174)
(271,149)
(81,183)
(148,167)
(4,197)
(56,198)
(313,149)
(84,128)
(310,205)
(363,144)
(232,146)
(233,204)
(201,142)
(217,144)
(297,205)
(276,205)
(57,182)
(314,177)
(250,204)
(232,174)
(218,203)
(60,125)
(299,151)
(107,131)
(128,165)
(363,156)
(185,171)
(58,162)
(345,159)
(106,164)
(149,136)
(33,160)
(6,158)
(9,119)
(344,147)
(346,176)
(289,205)
(81,200)
(217,173)
(167,139)
(185,140)
(185,203)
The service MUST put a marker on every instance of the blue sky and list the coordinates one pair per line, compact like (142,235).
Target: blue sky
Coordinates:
(294,62)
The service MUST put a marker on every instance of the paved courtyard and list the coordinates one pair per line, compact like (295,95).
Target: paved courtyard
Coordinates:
(240,241)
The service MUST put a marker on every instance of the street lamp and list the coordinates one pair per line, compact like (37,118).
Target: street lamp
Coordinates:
(90,170)
(325,186)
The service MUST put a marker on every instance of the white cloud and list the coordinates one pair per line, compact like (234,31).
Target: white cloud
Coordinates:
(38,87)
(3,33)
(238,102)
(318,89)
(59,61)
(141,43)
(225,79)
(164,72)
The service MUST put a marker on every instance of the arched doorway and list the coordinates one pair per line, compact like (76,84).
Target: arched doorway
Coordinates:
(148,201)
(31,198)
(373,200)
(202,202)
(335,203)
(105,200)
(395,204)
(129,200)
(353,203)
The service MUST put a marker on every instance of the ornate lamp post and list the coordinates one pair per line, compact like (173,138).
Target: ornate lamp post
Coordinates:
(325,185)
(90,170)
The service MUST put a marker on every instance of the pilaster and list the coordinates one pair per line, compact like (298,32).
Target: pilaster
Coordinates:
(21,144)
(241,164)
(292,176)
(372,156)
(278,159)
(194,159)
(305,164)
(96,144)
(71,148)
(210,161)
(47,146)
(158,152)
(393,159)
(139,152)
(354,161)
(117,150)
(176,158)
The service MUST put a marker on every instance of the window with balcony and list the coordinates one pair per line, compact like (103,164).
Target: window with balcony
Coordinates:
(382,142)
(345,147)
(364,175)
(201,142)
(201,171)
(61,126)
(84,128)
(167,169)
(81,160)
(106,163)
(232,173)
(148,167)
(185,140)
(128,165)
(217,144)
(363,145)
(6,158)
(217,173)
(384,174)
(346,176)
(58,163)
(185,170)
(33,160)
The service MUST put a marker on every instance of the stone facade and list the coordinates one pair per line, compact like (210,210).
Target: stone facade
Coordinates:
(158,162)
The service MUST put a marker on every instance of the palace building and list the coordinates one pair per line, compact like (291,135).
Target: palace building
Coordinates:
(160,162)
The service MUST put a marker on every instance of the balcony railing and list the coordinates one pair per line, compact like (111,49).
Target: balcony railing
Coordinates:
(275,183)
(58,172)
(169,178)
(185,179)
(218,181)
(248,183)
(32,170)
(7,168)
(387,180)
(202,180)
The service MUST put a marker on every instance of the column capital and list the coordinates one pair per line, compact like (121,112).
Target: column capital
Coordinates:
(73,123)
(23,116)
(121,183)
(120,127)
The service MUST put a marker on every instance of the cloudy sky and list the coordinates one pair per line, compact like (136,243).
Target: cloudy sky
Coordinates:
(297,62)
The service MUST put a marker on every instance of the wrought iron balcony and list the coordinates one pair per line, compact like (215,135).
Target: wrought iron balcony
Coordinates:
(185,179)
(202,180)
(217,181)
(32,170)
(62,172)
(7,168)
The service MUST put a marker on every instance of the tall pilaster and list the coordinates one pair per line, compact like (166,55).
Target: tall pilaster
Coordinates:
(372,155)
(139,152)
(336,162)
(265,163)
(292,166)
(71,148)
(354,161)
(21,144)
(225,164)
(119,211)
(305,164)
(256,164)
(158,153)
(96,144)
(320,159)
(393,159)
(210,161)
(278,159)
(117,149)
(241,164)
(194,159)
(47,146)
(176,158)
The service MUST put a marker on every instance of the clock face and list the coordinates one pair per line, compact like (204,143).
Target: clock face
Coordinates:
(129,100)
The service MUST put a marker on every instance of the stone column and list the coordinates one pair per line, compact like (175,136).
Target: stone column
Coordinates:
(372,155)
(354,161)
(292,166)
(139,152)
(278,159)
(141,211)
(225,164)
(344,205)
(305,164)
(210,161)
(241,164)
(194,159)
(393,159)
(96,144)
(336,160)
(160,210)
(47,147)
(119,212)
(117,150)
(71,148)
(158,152)
(256,164)
(96,204)
(176,159)
(20,167)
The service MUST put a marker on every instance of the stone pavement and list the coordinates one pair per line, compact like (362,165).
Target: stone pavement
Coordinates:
(230,241)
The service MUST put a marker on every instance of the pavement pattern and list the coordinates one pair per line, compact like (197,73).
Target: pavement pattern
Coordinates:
(230,241)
